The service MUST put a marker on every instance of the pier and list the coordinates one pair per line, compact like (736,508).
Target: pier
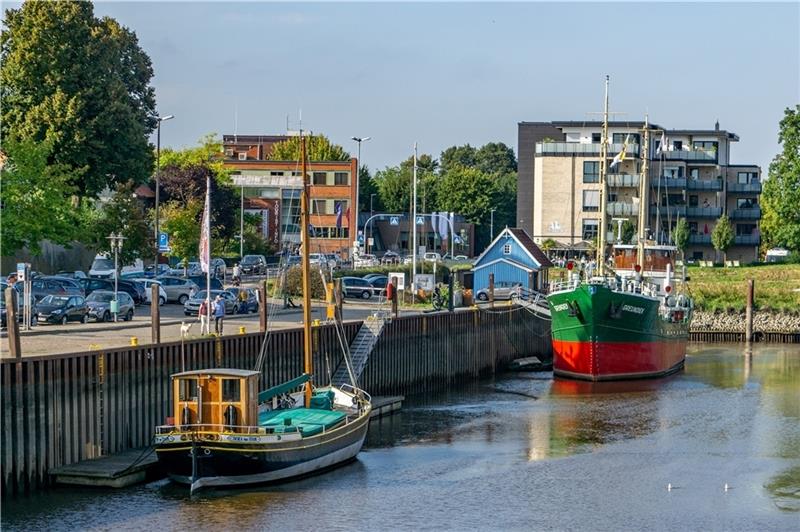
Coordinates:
(63,409)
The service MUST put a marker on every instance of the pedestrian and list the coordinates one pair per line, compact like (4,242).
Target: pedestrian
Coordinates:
(242,301)
(237,272)
(219,314)
(203,315)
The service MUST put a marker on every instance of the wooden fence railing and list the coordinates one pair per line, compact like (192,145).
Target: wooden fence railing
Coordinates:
(61,409)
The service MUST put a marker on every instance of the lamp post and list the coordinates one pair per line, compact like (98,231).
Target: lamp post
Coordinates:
(116,240)
(158,178)
(359,140)
(491,224)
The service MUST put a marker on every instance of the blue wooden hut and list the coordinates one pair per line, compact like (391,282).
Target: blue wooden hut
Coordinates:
(512,257)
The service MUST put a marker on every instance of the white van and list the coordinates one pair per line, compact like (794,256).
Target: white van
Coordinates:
(103,267)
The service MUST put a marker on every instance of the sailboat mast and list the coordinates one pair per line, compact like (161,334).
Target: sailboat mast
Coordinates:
(643,192)
(304,261)
(601,240)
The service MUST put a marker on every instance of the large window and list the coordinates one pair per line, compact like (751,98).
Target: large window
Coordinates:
(745,229)
(591,171)
(619,138)
(694,173)
(677,145)
(320,178)
(591,200)
(747,177)
(329,232)
(591,228)
(341,178)
(673,172)
(706,145)
(693,201)
(596,138)
(746,203)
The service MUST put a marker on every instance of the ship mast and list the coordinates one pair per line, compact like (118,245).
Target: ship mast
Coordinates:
(643,190)
(601,240)
(305,241)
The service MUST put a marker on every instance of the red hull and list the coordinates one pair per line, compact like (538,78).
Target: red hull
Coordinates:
(617,360)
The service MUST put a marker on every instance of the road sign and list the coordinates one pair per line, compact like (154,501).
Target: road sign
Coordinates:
(23,269)
(163,242)
(394,220)
(420,220)
(401,279)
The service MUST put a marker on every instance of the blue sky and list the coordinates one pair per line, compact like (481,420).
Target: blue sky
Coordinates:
(448,73)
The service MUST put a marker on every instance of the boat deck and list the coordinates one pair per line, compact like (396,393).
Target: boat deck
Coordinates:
(307,421)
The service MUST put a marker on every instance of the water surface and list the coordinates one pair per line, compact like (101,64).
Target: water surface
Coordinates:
(522,452)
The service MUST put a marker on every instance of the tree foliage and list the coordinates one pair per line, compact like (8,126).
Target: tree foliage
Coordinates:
(680,235)
(781,197)
(182,222)
(83,84)
(35,198)
(722,235)
(318,148)
(122,214)
(367,186)
(394,188)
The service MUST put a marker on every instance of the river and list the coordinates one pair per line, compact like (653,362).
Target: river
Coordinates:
(521,452)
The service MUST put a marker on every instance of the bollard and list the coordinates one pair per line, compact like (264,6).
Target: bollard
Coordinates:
(134,341)
(315,323)
(242,330)
(395,297)
(263,306)
(12,322)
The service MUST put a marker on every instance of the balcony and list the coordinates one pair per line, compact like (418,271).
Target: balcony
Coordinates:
(747,240)
(751,188)
(621,208)
(700,239)
(696,156)
(704,184)
(669,182)
(623,180)
(703,212)
(752,213)
(579,148)
(672,210)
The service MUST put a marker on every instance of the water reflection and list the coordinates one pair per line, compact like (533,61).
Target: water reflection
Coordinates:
(784,489)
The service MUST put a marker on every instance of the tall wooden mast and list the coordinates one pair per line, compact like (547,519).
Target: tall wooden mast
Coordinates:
(643,196)
(305,241)
(601,238)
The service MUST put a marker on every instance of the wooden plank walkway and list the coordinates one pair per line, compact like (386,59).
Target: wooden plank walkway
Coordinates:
(118,470)
(386,405)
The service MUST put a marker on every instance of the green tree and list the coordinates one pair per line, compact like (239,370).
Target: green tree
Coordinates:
(122,214)
(628,230)
(471,193)
(780,224)
(722,235)
(83,84)
(318,148)
(548,244)
(496,158)
(680,235)
(35,198)
(455,156)
(182,222)
(394,188)
(367,186)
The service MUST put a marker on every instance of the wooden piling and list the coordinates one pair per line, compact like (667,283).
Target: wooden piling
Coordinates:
(491,290)
(263,307)
(155,314)
(749,311)
(395,297)
(12,322)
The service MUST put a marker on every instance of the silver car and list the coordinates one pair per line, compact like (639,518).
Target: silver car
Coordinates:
(99,303)
(192,306)
(502,290)
(177,288)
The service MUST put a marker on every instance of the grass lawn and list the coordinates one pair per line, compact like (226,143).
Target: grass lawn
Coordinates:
(725,289)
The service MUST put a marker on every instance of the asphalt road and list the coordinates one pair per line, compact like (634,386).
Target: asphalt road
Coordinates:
(78,337)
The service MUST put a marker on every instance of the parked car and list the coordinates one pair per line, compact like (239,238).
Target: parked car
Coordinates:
(34,319)
(357,287)
(77,274)
(379,283)
(162,269)
(461,258)
(218,267)
(370,276)
(390,257)
(321,258)
(46,285)
(254,264)
(61,309)
(148,283)
(133,289)
(103,267)
(200,281)
(99,303)
(178,288)
(432,256)
(250,304)
(192,306)
(190,269)
(365,260)
(502,290)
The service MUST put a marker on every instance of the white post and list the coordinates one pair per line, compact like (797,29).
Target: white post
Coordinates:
(115,243)
(241,227)
(414,228)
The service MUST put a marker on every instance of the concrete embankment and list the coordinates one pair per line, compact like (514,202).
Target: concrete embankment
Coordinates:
(730,327)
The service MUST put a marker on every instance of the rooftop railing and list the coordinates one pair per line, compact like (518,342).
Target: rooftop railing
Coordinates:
(580,148)
(754,188)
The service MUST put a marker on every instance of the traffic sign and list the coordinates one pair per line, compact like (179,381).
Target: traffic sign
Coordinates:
(394,220)
(420,220)
(163,242)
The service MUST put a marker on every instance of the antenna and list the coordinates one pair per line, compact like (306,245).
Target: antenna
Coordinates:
(236,122)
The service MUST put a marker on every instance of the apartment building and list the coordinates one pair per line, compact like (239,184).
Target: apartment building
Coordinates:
(272,190)
(692,177)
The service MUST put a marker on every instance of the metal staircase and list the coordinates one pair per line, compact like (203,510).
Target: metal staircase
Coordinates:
(535,301)
(360,349)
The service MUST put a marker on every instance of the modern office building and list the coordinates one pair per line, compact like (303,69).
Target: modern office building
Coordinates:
(692,177)
(272,190)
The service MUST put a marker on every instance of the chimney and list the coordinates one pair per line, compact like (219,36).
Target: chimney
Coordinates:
(716,125)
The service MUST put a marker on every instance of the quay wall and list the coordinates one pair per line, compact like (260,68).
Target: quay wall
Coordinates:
(61,409)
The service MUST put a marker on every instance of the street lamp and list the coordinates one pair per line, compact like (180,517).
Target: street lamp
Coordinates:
(491,223)
(358,175)
(116,240)
(158,176)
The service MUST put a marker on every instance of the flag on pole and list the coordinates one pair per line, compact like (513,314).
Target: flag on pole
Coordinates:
(347,215)
(339,215)
(205,235)
(621,155)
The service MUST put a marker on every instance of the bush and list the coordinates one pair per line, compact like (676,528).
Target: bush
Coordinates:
(294,283)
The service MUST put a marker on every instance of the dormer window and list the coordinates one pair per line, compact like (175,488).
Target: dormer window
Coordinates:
(243,156)
(506,249)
